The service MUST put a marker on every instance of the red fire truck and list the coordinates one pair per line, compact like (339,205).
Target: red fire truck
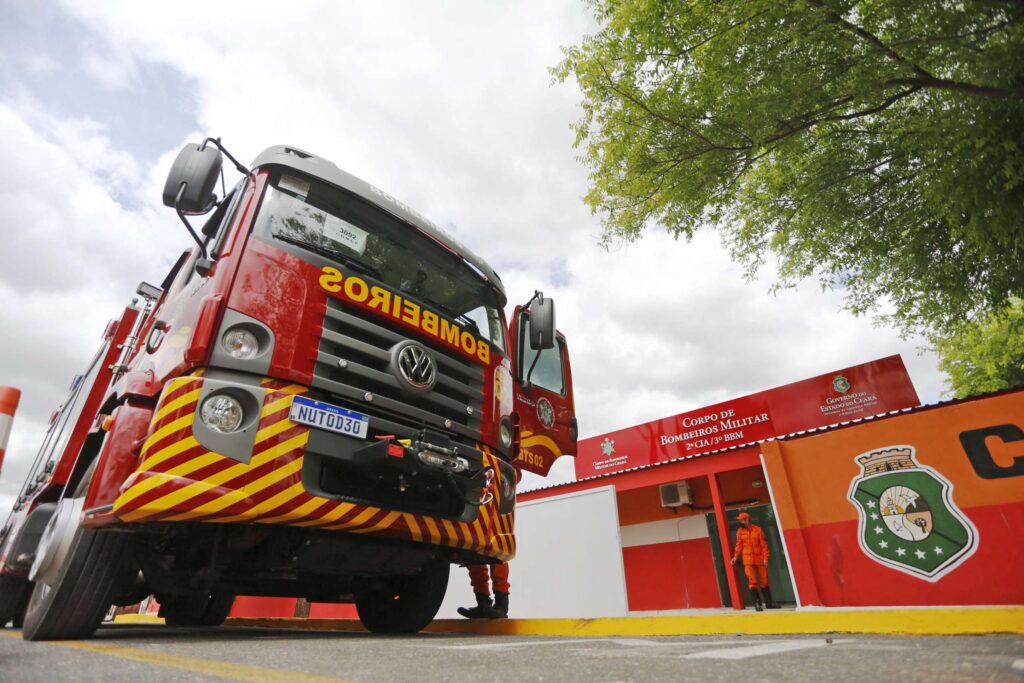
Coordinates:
(322,399)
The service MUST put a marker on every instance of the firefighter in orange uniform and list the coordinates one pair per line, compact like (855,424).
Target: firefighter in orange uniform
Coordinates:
(485,609)
(751,546)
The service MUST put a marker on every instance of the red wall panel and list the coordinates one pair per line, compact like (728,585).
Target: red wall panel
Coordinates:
(845,576)
(332,610)
(249,606)
(665,576)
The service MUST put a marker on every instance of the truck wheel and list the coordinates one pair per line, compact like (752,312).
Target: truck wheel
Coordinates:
(76,574)
(406,604)
(14,594)
(197,610)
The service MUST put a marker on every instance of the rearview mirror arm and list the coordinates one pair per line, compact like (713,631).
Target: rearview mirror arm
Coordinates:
(529,374)
(188,226)
(537,294)
(238,167)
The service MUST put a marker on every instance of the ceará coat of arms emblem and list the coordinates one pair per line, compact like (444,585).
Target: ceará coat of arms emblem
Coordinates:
(908,520)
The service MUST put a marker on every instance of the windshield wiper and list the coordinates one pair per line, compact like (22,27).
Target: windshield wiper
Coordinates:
(353,263)
(458,317)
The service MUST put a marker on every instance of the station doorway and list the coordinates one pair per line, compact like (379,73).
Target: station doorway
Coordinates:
(778,565)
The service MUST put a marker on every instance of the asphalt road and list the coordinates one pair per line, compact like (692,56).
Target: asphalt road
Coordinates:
(153,654)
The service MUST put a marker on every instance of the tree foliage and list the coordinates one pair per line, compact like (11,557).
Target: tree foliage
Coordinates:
(875,144)
(986,356)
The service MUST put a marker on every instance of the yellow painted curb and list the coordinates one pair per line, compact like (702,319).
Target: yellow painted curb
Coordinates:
(902,621)
(138,619)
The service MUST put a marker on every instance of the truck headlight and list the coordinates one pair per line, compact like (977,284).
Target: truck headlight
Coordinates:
(240,343)
(508,485)
(222,413)
(505,432)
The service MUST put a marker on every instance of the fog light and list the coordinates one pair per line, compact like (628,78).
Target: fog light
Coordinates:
(505,433)
(508,485)
(240,343)
(222,413)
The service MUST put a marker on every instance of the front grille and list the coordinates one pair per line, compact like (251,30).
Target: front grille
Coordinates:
(363,341)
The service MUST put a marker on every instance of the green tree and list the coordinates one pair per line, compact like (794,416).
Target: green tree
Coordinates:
(875,145)
(986,356)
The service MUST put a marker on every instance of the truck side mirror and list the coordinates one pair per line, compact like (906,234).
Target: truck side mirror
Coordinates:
(189,186)
(542,324)
(148,291)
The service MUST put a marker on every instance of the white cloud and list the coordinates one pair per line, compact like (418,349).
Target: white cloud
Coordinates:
(448,107)
(111,65)
(72,257)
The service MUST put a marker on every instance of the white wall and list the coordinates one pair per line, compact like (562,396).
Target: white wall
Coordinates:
(568,562)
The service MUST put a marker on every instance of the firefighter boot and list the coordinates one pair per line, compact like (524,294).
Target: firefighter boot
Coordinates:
(484,608)
(758,600)
(768,602)
(501,605)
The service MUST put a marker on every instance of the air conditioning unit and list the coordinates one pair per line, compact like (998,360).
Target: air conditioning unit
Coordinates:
(674,495)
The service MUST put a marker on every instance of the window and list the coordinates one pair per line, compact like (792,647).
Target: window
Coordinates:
(547,373)
(303,213)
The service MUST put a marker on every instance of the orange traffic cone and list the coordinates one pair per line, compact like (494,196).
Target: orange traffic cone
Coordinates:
(9,397)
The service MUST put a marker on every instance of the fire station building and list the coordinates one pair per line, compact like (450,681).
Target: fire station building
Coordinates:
(865,497)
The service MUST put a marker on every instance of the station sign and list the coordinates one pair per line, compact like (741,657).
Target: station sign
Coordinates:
(860,391)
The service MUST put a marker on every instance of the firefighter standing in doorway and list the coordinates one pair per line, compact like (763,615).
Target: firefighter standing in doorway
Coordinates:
(752,547)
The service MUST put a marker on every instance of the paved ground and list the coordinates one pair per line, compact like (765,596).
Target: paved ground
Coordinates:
(154,654)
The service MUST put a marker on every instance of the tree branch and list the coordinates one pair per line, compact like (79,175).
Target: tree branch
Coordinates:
(810,123)
(661,117)
(960,87)
(834,17)
(923,77)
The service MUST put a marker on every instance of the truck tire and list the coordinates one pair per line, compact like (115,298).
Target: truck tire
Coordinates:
(197,610)
(14,594)
(74,605)
(405,604)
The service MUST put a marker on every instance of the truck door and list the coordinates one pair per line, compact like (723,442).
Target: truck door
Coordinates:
(544,401)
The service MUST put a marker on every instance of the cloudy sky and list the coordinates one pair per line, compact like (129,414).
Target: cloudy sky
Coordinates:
(447,106)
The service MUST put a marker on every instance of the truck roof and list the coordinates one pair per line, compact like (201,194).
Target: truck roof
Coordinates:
(310,164)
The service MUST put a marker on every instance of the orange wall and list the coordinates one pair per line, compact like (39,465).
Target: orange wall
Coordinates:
(832,541)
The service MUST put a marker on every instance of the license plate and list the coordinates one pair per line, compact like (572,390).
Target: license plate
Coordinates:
(329,417)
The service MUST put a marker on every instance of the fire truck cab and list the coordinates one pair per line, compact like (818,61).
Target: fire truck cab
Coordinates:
(322,399)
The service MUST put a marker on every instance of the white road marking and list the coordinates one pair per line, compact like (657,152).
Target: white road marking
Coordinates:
(1018,665)
(622,642)
(633,642)
(503,645)
(762,648)
(689,644)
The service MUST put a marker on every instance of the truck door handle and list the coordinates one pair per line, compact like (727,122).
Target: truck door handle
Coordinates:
(156,336)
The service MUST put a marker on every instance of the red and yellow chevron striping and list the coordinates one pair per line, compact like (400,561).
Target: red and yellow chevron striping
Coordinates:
(179,480)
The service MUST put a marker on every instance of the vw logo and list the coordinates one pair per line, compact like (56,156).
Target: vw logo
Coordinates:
(415,365)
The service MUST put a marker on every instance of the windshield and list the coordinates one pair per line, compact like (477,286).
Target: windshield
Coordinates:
(317,217)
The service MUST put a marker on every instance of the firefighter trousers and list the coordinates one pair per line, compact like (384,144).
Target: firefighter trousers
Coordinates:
(757,575)
(478,575)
